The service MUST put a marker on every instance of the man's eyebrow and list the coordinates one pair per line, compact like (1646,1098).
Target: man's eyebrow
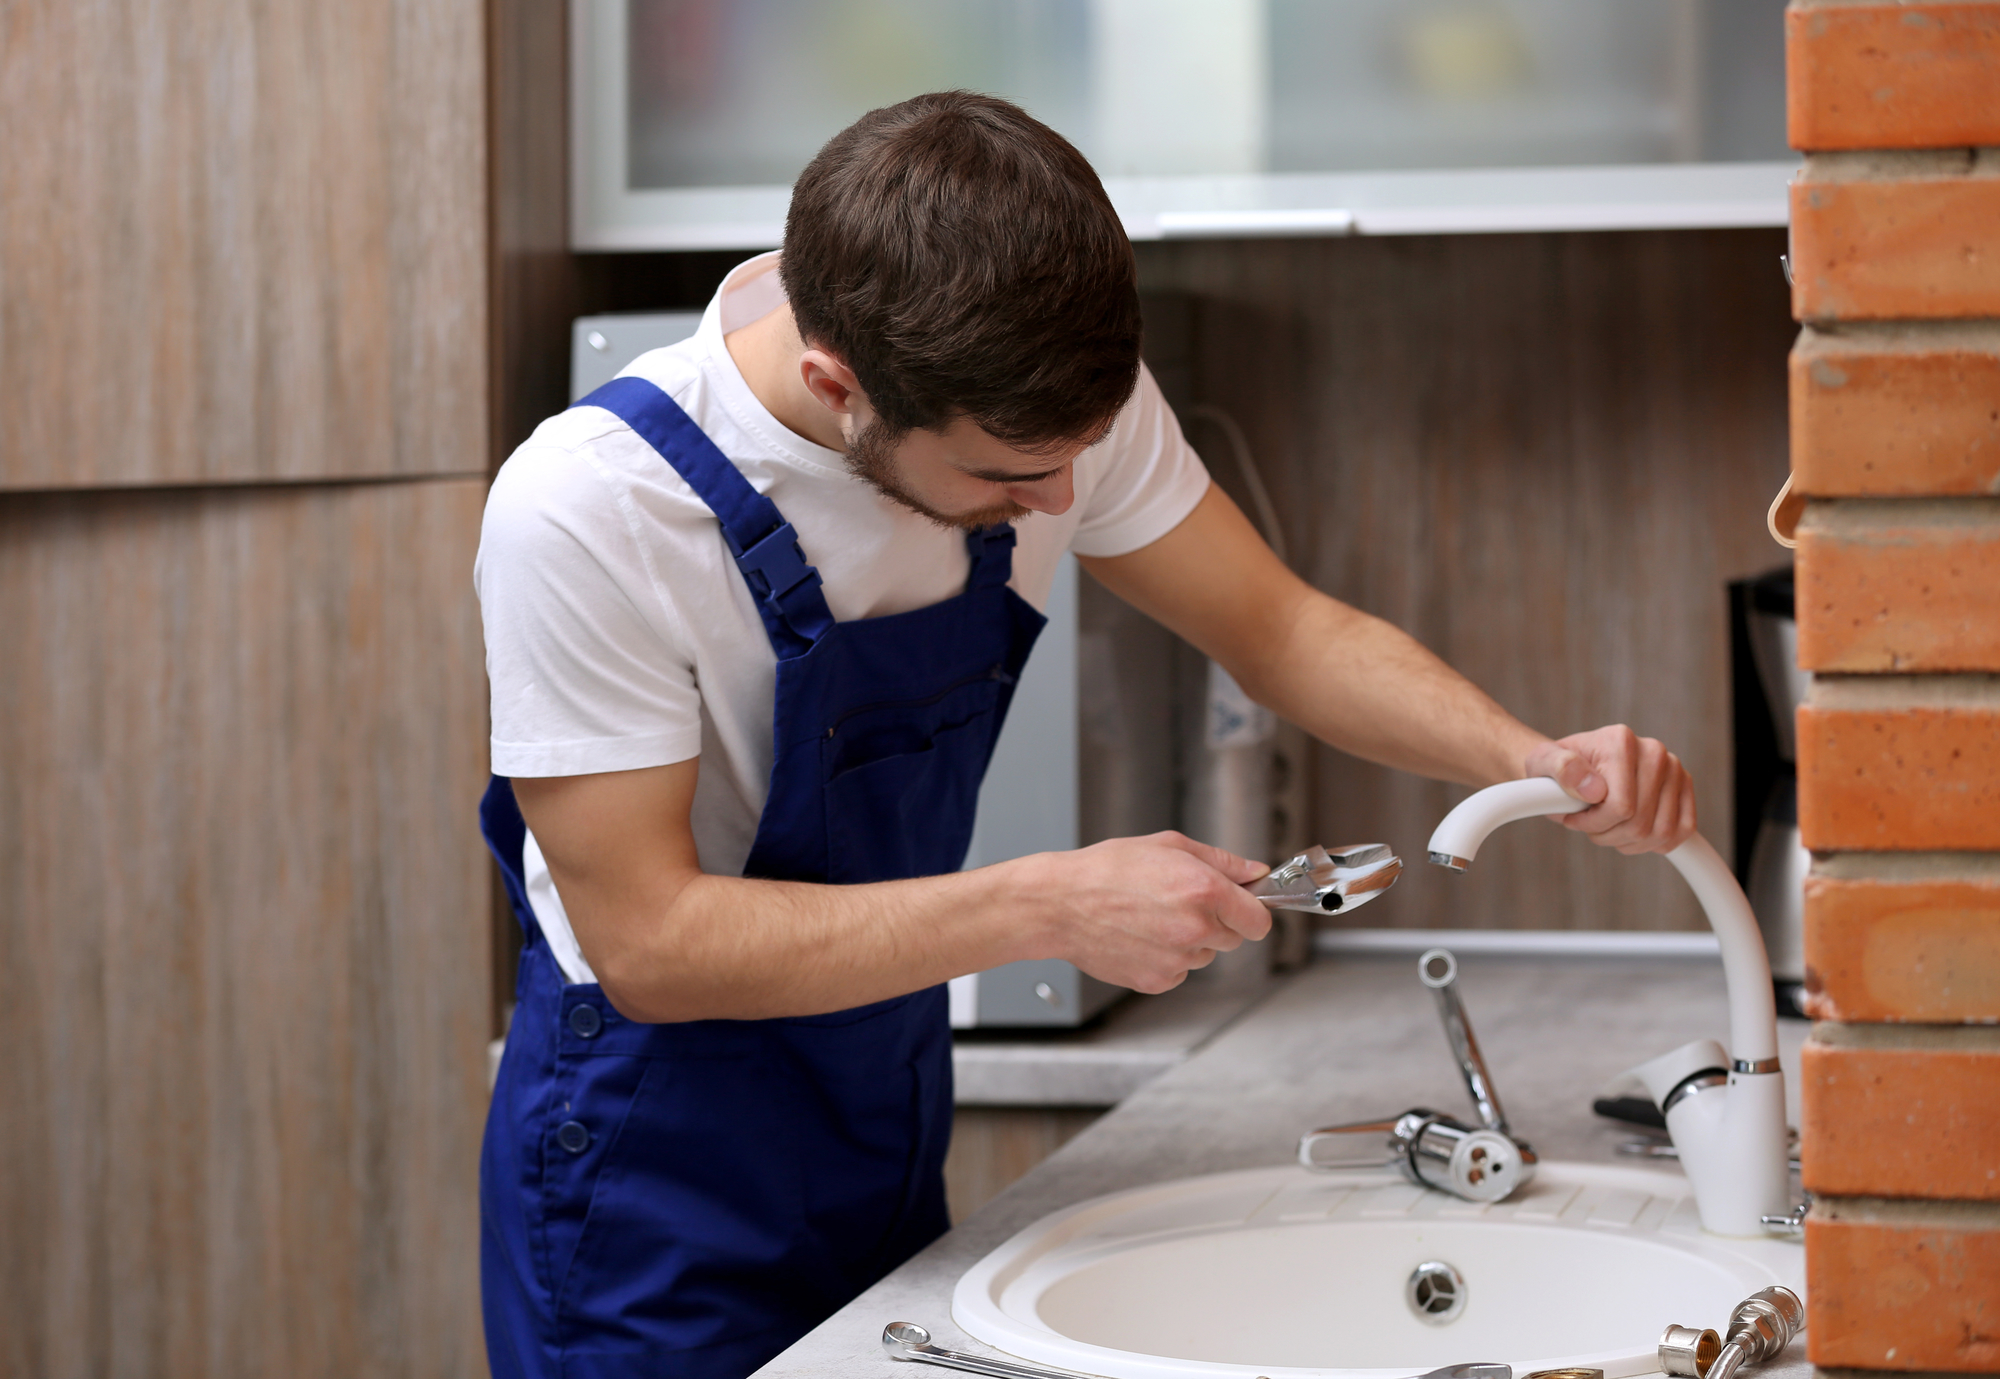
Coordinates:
(1001,476)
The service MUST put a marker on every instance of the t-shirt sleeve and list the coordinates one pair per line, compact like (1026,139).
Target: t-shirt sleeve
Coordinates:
(586,674)
(1147,478)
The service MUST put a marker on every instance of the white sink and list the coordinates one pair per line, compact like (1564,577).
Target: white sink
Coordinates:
(1280,1272)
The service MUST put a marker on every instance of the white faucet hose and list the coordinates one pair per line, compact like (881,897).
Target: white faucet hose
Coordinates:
(1460,833)
(1746,969)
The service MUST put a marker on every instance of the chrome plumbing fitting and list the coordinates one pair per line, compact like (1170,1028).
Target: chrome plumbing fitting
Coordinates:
(1481,1163)
(1762,1325)
(1689,1351)
(1430,1149)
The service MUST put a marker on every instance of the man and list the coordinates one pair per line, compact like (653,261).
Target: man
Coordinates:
(754,612)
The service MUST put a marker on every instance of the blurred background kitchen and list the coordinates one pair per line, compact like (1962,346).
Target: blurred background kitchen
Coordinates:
(1476,304)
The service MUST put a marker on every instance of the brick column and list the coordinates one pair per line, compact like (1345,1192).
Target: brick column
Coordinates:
(1895,396)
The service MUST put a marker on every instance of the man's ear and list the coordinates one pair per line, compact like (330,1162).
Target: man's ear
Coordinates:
(832,383)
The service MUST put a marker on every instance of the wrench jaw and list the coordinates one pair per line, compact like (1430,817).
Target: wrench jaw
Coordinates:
(1328,881)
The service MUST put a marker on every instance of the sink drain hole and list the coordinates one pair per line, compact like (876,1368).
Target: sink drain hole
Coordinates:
(1435,1292)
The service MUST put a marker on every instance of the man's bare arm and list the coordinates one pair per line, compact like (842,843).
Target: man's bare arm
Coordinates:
(1363,685)
(669,942)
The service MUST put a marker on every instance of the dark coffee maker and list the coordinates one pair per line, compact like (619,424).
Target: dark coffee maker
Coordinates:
(1768,687)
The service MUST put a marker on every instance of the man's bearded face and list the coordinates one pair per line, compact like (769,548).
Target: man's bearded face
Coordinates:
(872,457)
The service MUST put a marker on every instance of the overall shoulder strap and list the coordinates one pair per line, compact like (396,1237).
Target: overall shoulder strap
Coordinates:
(992,551)
(766,548)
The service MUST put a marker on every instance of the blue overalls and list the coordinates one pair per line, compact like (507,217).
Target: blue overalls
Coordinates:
(686,1200)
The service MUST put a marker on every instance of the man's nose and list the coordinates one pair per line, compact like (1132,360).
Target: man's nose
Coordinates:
(1052,495)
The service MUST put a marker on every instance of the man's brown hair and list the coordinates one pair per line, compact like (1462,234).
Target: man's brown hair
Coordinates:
(962,258)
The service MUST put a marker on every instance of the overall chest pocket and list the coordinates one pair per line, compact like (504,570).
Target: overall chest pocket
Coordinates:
(901,781)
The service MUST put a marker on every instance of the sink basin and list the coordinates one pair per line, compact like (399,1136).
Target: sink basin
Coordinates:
(1280,1272)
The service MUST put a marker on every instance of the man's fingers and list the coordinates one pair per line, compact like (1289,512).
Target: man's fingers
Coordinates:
(1647,803)
(1144,911)
(1674,819)
(1575,775)
(1626,786)
(1569,768)
(1639,799)
(1667,815)
(1688,821)
(1223,940)
(1233,908)
(1241,871)
(1618,757)
(1250,920)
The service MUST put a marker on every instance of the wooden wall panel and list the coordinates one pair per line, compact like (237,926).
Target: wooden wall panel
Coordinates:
(245,917)
(1541,454)
(246,240)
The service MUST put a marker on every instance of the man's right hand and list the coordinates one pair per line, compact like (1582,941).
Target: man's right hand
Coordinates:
(1140,912)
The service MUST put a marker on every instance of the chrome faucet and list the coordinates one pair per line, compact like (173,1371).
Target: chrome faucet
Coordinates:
(1481,1163)
(1725,1110)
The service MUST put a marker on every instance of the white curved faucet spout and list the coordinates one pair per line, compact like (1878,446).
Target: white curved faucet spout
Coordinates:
(1753,1014)
(1739,1168)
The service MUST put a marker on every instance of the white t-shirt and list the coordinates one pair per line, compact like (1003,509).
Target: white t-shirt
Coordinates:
(620,634)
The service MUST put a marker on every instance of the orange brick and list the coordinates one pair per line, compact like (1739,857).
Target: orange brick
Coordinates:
(1902,948)
(1892,75)
(1903,1285)
(1897,774)
(1900,585)
(1917,1120)
(1899,410)
(1896,236)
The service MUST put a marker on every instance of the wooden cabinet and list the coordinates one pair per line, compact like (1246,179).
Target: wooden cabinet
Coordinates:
(243,448)
(243,241)
(245,999)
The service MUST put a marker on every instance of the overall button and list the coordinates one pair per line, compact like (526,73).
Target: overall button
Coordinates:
(572,1135)
(585,1021)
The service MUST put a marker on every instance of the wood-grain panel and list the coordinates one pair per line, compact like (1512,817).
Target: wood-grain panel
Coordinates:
(243,903)
(242,240)
(993,1147)
(536,280)
(1541,454)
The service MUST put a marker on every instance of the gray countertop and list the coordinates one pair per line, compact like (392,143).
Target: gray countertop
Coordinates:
(1344,1039)
(1108,1060)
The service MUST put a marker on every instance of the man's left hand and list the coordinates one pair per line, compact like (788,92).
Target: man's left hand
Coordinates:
(1639,795)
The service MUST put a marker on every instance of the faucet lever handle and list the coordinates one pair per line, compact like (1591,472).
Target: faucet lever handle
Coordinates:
(1363,1144)
(1438,970)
